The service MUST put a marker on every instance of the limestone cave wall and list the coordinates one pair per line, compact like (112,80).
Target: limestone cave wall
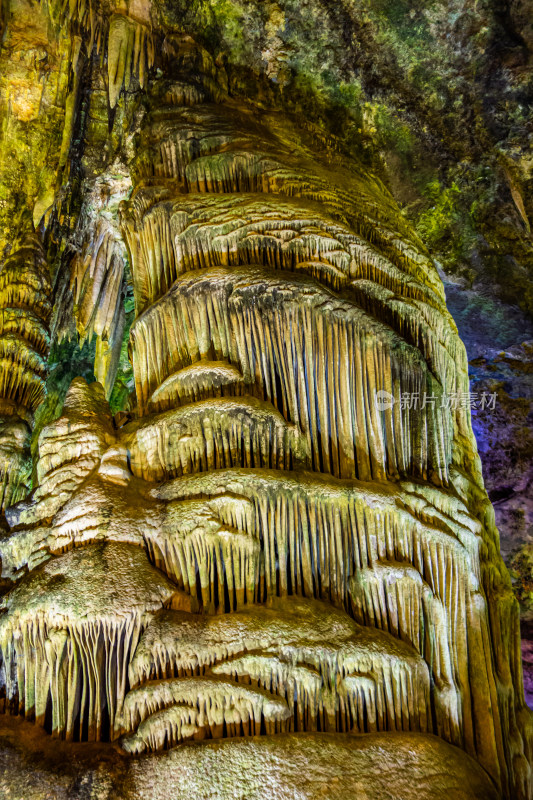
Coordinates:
(237,501)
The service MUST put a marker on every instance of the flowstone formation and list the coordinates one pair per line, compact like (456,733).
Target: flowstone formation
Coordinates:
(274,542)
(25,308)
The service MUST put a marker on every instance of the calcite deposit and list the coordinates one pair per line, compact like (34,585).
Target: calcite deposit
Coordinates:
(25,308)
(273,544)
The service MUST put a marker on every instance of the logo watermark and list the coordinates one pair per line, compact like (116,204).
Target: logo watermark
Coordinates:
(477,401)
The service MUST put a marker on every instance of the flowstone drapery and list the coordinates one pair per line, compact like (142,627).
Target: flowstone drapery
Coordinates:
(25,308)
(263,548)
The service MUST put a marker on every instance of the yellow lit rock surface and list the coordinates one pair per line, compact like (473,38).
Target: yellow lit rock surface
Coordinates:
(307,767)
(257,553)
(25,308)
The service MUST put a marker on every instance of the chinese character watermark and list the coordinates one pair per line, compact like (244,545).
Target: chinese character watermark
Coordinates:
(413,401)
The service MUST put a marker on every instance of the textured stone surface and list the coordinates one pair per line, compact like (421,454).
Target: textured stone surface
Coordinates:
(25,308)
(307,767)
(254,549)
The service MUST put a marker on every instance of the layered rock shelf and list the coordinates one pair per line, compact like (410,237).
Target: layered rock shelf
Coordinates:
(25,308)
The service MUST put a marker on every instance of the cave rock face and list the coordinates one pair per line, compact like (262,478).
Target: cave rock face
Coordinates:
(290,534)
(25,308)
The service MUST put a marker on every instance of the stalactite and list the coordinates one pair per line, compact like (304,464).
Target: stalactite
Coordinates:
(222,149)
(247,198)
(288,335)
(25,308)
(81,15)
(211,434)
(317,532)
(209,549)
(130,51)
(394,597)
(215,703)
(259,547)
(163,728)
(222,157)
(336,675)
(227,230)
(97,285)
(68,632)
(126,39)
(206,230)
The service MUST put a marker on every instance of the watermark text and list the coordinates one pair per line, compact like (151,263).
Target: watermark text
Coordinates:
(477,401)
